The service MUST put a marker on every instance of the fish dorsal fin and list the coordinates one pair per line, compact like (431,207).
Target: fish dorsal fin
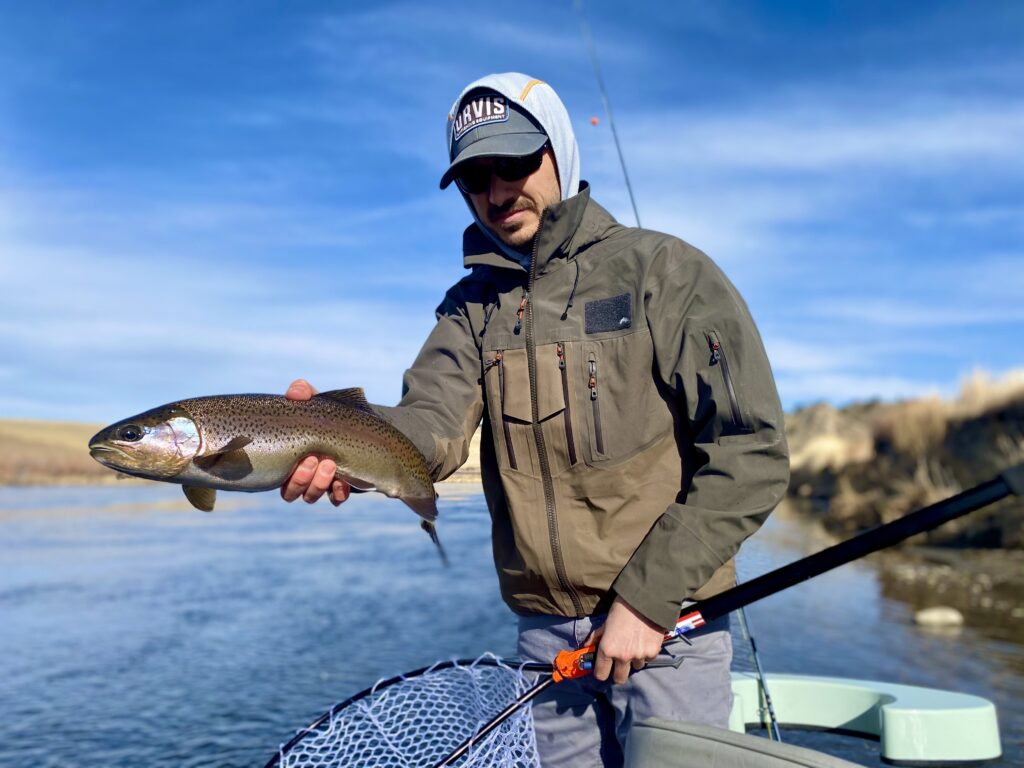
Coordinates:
(200,498)
(353,397)
(228,463)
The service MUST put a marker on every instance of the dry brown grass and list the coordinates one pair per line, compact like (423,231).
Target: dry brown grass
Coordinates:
(919,426)
(981,393)
(48,453)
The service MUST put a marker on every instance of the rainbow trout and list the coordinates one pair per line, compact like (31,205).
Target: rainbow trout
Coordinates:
(253,442)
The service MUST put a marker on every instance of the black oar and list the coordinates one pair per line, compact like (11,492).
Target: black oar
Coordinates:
(571,664)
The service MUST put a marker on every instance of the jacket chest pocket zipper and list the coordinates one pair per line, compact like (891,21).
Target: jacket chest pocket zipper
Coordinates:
(595,405)
(570,443)
(499,361)
(718,358)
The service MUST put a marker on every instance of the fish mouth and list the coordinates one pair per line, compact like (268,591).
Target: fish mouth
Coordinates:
(106,454)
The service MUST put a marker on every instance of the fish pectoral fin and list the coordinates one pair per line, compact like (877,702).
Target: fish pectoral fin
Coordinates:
(357,485)
(228,463)
(200,498)
(354,397)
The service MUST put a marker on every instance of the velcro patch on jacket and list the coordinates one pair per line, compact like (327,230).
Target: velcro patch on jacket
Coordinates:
(614,314)
(480,111)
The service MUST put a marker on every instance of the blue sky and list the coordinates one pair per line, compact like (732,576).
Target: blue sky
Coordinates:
(201,198)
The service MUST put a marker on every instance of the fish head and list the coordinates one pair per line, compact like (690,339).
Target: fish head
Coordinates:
(157,444)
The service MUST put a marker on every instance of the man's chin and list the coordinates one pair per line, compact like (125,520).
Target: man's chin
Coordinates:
(515,236)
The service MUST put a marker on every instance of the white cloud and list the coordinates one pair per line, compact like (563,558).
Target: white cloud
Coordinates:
(848,387)
(827,138)
(903,314)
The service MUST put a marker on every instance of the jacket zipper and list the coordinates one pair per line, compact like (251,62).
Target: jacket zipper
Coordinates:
(592,385)
(718,357)
(499,358)
(538,431)
(565,394)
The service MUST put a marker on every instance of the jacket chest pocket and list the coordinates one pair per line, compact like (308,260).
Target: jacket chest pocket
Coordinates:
(620,405)
(518,438)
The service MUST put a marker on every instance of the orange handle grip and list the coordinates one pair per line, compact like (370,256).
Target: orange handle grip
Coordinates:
(570,665)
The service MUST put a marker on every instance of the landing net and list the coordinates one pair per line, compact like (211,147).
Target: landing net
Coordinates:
(418,719)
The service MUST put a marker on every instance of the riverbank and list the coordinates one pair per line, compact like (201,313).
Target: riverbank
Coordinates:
(869,463)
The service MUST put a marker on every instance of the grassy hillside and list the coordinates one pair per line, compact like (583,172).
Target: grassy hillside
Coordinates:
(48,453)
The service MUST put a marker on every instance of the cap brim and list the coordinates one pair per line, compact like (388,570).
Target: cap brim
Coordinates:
(502,145)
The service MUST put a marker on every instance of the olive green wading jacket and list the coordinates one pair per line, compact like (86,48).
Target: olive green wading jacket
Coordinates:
(632,432)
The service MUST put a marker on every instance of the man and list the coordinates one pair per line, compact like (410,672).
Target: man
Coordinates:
(632,433)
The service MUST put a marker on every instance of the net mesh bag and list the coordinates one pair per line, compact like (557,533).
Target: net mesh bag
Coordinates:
(420,718)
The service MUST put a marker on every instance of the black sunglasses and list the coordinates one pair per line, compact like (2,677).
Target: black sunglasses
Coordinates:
(474,179)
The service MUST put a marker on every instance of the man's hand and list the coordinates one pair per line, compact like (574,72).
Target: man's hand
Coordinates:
(312,477)
(626,640)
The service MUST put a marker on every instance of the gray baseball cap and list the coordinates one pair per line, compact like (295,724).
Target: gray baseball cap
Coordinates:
(488,125)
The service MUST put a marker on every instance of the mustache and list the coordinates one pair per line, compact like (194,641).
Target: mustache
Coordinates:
(512,206)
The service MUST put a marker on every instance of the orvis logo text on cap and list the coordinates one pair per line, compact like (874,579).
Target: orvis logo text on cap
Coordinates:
(481,110)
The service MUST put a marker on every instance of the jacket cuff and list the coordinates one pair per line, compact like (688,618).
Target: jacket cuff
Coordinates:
(653,582)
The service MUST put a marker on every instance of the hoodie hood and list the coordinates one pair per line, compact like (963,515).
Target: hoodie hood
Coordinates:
(540,100)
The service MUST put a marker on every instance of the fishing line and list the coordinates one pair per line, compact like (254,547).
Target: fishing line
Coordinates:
(589,40)
(773,730)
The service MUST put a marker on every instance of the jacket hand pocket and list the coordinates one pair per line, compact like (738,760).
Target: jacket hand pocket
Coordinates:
(512,412)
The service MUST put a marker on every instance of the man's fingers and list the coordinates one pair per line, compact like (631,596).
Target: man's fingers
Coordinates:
(602,665)
(622,668)
(639,664)
(300,479)
(595,636)
(340,491)
(300,389)
(321,481)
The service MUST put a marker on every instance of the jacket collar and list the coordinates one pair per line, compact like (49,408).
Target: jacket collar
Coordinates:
(568,226)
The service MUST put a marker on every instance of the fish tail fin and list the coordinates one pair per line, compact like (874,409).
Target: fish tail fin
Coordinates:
(431,530)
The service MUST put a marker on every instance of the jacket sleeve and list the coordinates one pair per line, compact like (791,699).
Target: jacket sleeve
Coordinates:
(709,355)
(441,401)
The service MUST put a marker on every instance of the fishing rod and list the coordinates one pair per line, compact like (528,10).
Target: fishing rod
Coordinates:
(589,40)
(773,722)
(569,665)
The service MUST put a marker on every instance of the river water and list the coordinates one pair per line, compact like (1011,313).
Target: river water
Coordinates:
(136,631)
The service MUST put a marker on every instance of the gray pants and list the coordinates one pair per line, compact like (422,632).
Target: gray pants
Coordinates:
(585,723)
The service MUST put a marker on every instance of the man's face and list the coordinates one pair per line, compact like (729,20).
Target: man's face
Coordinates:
(512,209)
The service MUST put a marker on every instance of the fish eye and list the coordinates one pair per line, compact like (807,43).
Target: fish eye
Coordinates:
(129,433)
